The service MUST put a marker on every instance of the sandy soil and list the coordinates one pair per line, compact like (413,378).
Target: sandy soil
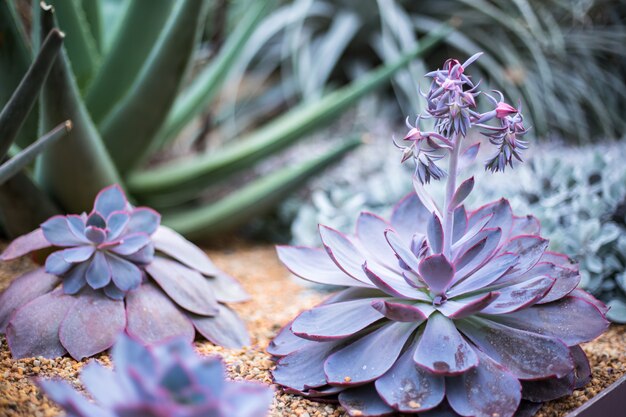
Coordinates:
(276,299)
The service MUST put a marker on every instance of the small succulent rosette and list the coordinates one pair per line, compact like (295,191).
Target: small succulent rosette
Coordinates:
(117,269)
(447,311)
(168,379)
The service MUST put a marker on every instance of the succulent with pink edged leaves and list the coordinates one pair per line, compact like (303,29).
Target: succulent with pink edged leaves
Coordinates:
(167,379)
(447,311)
(115,269)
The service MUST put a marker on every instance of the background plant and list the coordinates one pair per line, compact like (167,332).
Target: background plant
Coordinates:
(127,81)
(531,45)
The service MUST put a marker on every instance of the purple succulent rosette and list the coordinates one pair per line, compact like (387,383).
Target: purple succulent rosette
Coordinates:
(169,379)
(117,270)
(447,311)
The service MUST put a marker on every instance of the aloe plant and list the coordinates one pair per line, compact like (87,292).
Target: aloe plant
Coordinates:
(132,88)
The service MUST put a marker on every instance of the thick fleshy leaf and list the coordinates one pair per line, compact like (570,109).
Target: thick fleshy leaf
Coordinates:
(502,216)
(95,234)
(335,321)
(58,232)
(402,312)
(225,329)
(477,255)
(56,264)
(103,384)
(286,342)
(22,290)
(65,396)
(361,361)
(99,273)
(314,265)
(409,388)
(392,283)
(572,320)
(462,192)
(409,216)
(304,368)
(530,249)
(24,244)
(126,275)
(370,231)
(485,276)
(144,220)
(78,254)
(487,390)
(187,287)
(143,256)
(526,225)
(343,252)
(553,388)
(110,199)
(526,355)
(116,224)
(227,289)
(153,317)
(129,353)
(580,293)
(437,272)
(441,348)
(518,296)
(461,244)
(131,243)
(402,250)
(96,219)
(172,244)
(75,279)
(434,232)
(458,309)
(364,401)
(459,226)
(34,328)
(566,280)
(92,324)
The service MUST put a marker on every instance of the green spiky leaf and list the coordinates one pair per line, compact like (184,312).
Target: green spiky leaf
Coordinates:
(131,125)
(253,199)
(136,37)
(19,106)
(75,169)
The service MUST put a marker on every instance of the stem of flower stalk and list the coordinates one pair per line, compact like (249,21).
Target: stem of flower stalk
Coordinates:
(448,211)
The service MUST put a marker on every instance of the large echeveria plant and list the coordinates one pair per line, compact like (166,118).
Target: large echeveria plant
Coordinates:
(169,379)
(458,311)
(116,269)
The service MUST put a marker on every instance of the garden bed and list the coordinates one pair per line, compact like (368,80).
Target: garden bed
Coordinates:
(276,298)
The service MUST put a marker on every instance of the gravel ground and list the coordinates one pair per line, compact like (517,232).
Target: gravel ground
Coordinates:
(276,299)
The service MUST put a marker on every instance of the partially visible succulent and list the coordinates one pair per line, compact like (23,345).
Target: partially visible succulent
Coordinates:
(106,279)
(168,379)
(464,312)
